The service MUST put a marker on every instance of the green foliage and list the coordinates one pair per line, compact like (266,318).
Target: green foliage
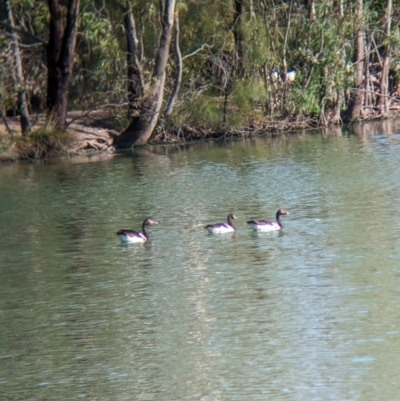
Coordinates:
(202,111)
(246,102)
(100,61)
(278,37)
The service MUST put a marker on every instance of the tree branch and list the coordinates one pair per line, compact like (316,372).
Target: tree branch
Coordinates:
(202,47)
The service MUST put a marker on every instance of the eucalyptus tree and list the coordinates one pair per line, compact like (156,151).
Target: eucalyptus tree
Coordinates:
(21,56)
(322,52)
(357,95)
(383,104)
(60,58)
(135,73)
(143,124)
(375,59)
(179,68)
(22,99)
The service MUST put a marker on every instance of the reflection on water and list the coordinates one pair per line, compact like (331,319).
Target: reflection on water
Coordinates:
(310,312)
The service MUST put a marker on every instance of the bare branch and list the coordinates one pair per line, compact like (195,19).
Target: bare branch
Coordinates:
(202,47)
(103,106)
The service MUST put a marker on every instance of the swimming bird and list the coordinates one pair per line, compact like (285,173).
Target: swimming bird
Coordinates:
(220,228)
(264,225)
(135,236)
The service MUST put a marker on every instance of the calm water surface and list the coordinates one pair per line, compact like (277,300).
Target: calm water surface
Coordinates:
(311,313)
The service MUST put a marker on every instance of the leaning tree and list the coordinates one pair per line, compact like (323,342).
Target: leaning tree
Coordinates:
(148,108)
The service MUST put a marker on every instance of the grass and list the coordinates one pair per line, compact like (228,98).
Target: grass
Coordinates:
(43,142)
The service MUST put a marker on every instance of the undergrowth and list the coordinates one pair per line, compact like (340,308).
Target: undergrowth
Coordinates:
(43,142)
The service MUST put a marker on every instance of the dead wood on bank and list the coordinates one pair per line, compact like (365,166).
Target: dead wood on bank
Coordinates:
(92,133)
(188,133)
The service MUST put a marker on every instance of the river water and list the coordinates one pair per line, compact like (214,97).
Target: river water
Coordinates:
(309,313)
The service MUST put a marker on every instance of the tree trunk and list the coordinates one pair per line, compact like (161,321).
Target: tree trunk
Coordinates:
(22,103)
(355,106)
(369,90)
(235,62)
(310,4)
(238,35)
(251,9)
(335,115)
(340,6)
(178,80)
(135,74)
(60,58)
(384,81)
(143,125)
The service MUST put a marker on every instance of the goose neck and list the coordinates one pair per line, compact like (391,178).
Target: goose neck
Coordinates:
(278,219)
(230,222)
(144,232)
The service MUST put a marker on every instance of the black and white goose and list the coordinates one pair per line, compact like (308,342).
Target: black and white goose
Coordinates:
(220,228)
(135,236)
(265,225)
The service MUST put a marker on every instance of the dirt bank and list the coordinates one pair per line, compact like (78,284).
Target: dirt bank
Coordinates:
(88,133)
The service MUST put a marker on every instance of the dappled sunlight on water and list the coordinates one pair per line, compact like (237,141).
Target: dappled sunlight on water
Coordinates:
(310,312)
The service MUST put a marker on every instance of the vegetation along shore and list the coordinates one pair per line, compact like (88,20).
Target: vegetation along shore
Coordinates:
(99,76)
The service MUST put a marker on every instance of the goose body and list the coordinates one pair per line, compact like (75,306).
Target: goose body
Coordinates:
(130,236)
(265,225)
(220,228)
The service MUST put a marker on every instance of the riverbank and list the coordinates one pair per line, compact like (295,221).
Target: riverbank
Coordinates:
(93,133)
(87,133)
